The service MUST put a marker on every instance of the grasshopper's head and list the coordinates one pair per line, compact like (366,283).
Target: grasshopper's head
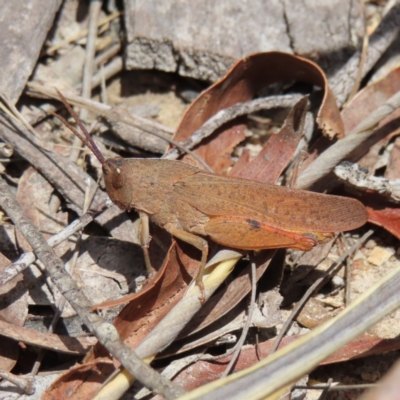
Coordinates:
(118,179)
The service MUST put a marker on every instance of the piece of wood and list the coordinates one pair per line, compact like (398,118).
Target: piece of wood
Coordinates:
(24,25)
(202,39)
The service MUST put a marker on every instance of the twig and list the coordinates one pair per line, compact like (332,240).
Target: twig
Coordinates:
(314,287)
(24,383)
(230,113)
(103,88)
(103,109)
(110,70)
(246,326)
(359,177)
(348,283)
(331,157)
(105,332)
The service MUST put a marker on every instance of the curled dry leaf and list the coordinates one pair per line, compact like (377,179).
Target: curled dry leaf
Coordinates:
(244,80)
(71,383)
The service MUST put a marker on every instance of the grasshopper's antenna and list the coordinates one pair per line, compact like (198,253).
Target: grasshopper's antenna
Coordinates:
(87,139)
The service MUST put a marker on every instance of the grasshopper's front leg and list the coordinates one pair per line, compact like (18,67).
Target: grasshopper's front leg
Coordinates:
(145,241)
(200,244)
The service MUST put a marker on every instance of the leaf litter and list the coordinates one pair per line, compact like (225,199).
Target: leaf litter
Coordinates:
(107,268)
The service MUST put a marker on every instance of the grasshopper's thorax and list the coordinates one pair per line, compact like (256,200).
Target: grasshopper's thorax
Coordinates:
(118,180)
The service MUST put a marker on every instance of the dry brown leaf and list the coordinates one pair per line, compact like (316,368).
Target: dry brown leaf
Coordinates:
(74,382)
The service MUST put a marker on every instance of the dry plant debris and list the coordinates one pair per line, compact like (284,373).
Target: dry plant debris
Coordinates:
(219,87)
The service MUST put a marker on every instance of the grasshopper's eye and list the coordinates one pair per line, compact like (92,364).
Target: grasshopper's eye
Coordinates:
(118,179)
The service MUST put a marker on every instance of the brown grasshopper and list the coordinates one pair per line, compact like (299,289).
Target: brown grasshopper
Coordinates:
(243,214)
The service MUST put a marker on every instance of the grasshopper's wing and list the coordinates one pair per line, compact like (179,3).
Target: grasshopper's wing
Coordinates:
(277,206)
(248,234)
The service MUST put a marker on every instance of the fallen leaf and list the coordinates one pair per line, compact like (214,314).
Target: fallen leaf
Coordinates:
(73,383)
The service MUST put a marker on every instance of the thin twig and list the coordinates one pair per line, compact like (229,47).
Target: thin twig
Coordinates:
(339,387)
(105,332)
(103,88)
(314,287)
(100,108)
(230,113)
(246,326)
(348,283)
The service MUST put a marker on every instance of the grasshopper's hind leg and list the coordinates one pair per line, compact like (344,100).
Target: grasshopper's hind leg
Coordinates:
(200,244)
